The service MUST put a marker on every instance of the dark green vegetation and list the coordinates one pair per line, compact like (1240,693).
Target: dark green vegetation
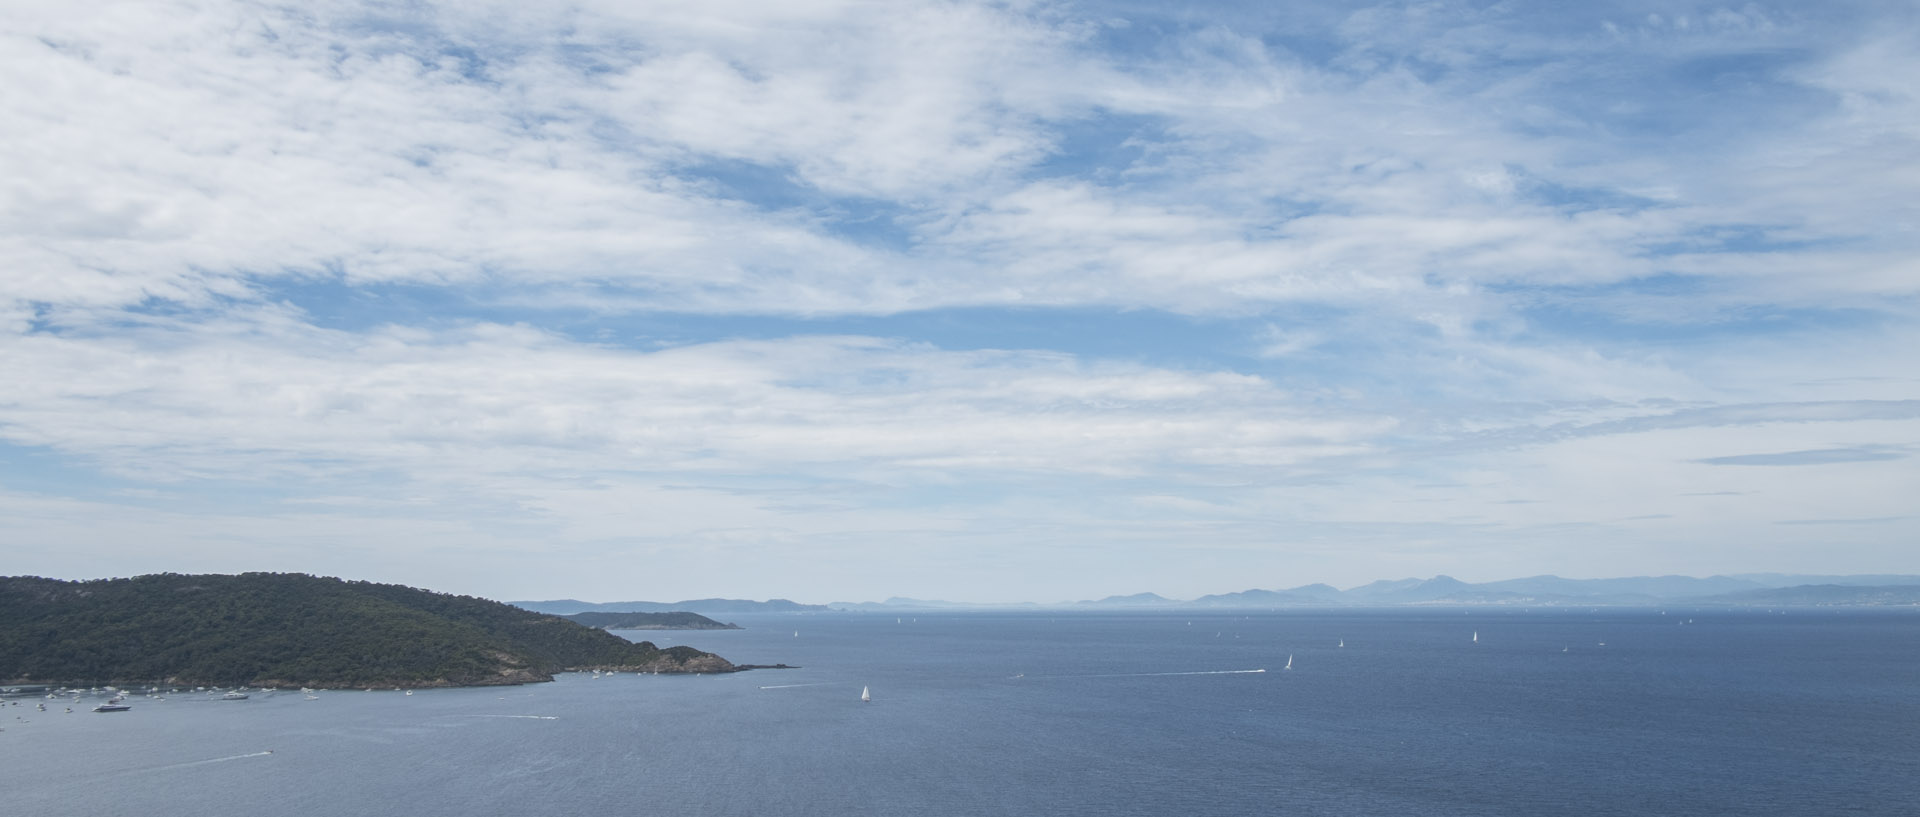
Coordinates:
(290,629)
(648,621)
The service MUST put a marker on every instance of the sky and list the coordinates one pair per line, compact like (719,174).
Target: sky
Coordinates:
(836,301)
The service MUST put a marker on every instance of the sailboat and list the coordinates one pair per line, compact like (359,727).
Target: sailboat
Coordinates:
(1289,661)
(865,696)
(1476,636)
(1343,642)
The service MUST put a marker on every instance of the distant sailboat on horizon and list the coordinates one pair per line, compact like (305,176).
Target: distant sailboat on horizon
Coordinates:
(865,696)
(1476,636)
(1343,642)
(1289,661)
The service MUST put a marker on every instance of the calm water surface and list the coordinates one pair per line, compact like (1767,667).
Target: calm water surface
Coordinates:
(1812,712)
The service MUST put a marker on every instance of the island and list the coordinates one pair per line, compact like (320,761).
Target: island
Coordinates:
(649,621)
(288,630)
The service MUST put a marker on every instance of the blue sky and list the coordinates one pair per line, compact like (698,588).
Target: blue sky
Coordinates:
(837,301)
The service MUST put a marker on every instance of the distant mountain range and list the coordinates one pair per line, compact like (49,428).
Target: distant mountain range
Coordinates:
(1541,591)
(1741,589)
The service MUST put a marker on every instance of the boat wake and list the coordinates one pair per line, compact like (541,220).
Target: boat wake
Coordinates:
(193,763)
(526,717)
(797,686)
(1156,674)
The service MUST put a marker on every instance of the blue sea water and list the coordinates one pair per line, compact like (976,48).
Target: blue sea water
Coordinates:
(1737,713)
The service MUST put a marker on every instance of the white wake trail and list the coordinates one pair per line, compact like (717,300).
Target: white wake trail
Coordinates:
(1156,674)
(797,686)
(527,717)
(205,762)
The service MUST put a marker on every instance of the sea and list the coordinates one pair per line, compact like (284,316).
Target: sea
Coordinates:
(1477,711)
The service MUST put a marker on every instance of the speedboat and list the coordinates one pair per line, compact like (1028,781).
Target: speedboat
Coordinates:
(112,707)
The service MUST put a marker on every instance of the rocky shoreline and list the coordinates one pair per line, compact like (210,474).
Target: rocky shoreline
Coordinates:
(703,665)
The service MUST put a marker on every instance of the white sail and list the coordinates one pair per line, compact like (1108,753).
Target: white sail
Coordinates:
(1289,661)
(1476,636)
(864,695)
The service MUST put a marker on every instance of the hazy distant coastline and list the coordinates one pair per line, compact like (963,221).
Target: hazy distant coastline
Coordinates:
(649,621)
(1747,589)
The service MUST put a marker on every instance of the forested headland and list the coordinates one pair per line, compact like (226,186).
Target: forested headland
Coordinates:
(291,629)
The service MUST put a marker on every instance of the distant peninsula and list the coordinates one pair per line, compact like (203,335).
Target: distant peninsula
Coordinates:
(649,621)
(292,630)
(567,607)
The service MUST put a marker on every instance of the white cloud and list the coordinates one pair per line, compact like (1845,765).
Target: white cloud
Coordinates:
(1403,212)
(181,151)
(493,399)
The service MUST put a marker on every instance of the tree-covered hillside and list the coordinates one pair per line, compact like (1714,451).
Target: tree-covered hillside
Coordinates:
(290,629)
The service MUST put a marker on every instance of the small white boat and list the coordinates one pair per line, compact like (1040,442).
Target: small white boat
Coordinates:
(111,707)
(865,696)
(234,696)
(1289,661)
(1343,642)
(1476,636)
